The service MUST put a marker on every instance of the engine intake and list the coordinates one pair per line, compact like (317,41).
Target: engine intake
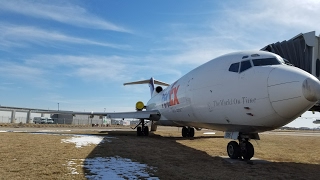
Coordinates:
(158,89)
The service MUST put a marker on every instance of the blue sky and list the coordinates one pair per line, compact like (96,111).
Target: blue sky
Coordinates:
(79,53)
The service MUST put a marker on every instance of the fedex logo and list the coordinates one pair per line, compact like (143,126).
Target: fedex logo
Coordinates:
(170,97)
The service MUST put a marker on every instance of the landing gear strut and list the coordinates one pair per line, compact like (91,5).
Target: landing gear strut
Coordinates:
(142,130)
(243,150)
(187,132)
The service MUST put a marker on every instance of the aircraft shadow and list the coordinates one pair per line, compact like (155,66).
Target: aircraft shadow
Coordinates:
(151,134)
(173,160)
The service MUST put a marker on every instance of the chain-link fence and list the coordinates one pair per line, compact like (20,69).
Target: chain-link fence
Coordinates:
(71,121)
(7,119)
(96,121)
(76,121)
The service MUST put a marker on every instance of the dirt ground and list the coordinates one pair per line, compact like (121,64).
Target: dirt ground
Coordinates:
(42,156)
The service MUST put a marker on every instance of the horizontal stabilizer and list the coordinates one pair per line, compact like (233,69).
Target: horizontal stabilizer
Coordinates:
(147,82)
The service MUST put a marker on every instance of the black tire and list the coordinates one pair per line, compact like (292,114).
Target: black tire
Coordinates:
(191,132)
(233,150)
(248,153)
(184,132)
(146,131)
(139,132)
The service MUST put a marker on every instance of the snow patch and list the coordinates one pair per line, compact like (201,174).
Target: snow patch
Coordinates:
(47,130)
(72,165)
(116,168)
(86,140)
(209,133)
(72,169)
(12,131)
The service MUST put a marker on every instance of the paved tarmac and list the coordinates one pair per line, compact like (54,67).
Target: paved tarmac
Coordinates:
(293,133)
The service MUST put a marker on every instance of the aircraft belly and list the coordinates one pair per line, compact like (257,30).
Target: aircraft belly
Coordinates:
(216,126)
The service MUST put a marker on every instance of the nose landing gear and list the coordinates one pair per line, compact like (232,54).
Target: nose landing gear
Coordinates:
(243,150)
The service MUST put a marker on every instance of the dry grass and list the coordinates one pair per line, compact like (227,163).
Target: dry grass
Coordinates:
(34,156)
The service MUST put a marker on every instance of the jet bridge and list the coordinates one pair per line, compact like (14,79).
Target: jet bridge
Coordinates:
(302,51)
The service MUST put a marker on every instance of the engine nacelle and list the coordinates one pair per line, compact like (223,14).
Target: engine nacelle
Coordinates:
(139,106)
(158,89)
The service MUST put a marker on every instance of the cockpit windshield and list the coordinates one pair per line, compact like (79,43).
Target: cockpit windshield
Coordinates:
(265,62)
(239,67)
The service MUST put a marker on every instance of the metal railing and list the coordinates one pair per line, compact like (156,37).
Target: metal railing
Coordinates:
(7,119)
(69,121)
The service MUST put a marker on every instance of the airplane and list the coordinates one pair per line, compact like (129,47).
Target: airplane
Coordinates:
(242,93)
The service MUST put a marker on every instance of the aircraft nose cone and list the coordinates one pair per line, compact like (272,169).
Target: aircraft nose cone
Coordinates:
(292,91)
(311,89)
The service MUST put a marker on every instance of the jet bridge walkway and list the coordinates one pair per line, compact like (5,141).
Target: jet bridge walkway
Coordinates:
(302,51)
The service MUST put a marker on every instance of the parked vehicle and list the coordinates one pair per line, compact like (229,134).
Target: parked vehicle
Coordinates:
(50,121)
(40,120)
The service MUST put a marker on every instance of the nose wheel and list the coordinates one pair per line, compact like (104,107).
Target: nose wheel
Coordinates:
(233,150)
(243,150)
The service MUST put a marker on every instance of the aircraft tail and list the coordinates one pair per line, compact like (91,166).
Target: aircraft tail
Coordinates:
(151,83)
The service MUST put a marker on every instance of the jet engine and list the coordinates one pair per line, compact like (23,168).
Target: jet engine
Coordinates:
(158,89)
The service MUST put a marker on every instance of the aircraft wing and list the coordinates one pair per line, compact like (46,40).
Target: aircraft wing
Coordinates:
(124,115)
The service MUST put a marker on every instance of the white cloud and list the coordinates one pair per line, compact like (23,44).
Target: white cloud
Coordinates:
(61,11)
(26,73)
(264,22)
(291,14)
(20,36)
(101,68)
(242,25)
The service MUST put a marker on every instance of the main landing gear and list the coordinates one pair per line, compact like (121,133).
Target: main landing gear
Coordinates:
(243,150)
(187,132)
(142,129)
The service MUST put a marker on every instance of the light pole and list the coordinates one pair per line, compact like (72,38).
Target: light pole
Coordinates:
(104,118)
(58,115)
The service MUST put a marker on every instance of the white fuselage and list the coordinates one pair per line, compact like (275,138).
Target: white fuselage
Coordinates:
(216,96)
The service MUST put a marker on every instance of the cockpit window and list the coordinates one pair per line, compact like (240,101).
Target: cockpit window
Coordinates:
(234,67)
(265,62)
(245,65)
